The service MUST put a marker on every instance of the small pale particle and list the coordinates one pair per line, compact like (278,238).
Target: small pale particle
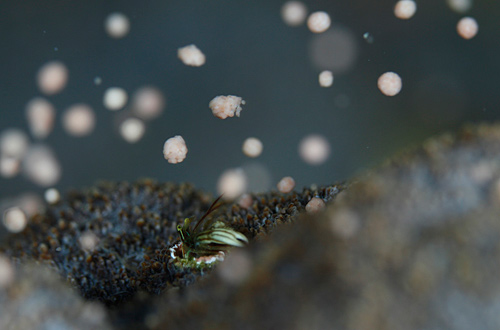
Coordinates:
(7,273)
(175,149)
(467,28)
(368,37)
(294,13)
(13,143)
(41,166)
(245,201)
(318,22)
(191,55)
(226,106)
(52,77)
(9,166)
(405,9)
(115,98)
(459,6)
(315,204)
(52,195)
(88,241)
(390,83)
(117,25)
(232,183)
(40,114)
(148,103)
(252,147)
(14,219)
(314,149)
(79,120)
(286,185)
(325,78)
(132,129)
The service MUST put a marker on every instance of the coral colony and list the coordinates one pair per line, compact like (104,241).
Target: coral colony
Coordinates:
(115,239)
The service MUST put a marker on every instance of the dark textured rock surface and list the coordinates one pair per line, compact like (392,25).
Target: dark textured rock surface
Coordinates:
(413,245)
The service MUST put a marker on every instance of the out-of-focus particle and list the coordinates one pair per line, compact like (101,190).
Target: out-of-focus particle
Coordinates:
(335,50)
(315,204)
(314,149)
(9,166)
(52,195)
(14,219)
(368,37)
(459,6)
(235,268)
(286,185)
(40,114)
(245,201)
(7,273)
(318,22)
(232,183)
(175,149)
(41,166)
(226,106)
(97,81)
(79,120)
(132,129)
(13,143)
(405,9)
(52,77)
(390,83)
(148,103)
(467,28)
(191,55)
(88,241)
(294,13)
(345,223)
(115,98)
(325,78)
(252,147)
(117,25)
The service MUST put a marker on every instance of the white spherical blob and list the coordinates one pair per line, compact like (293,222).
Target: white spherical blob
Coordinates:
(390,83)
(40,114)
(117,25)
(14,219)
(459,6)
(9,166)
(236,267)
(345,223)
(314,149)
(294,13)
(191,55)
(318,22)
(175,149)
(115,98)
(52,195)
(79,120)
(226,106)
(41,166)
(315,204)
(325,78)
(252,147)
(467,28)
(13,143)
(7,273)
(132,129)
(405,9)
(286,185)
(232,183)
(148,103)
(335,50)
(245,201)
(52,77)
(88,241)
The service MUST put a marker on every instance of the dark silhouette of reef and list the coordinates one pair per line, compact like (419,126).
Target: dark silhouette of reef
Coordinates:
(133,225)
(413,244)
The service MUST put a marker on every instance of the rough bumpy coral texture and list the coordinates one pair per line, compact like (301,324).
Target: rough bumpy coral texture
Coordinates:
(413,245)
(133,225)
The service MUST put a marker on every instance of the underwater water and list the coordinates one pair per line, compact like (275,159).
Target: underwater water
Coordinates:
(250,52)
